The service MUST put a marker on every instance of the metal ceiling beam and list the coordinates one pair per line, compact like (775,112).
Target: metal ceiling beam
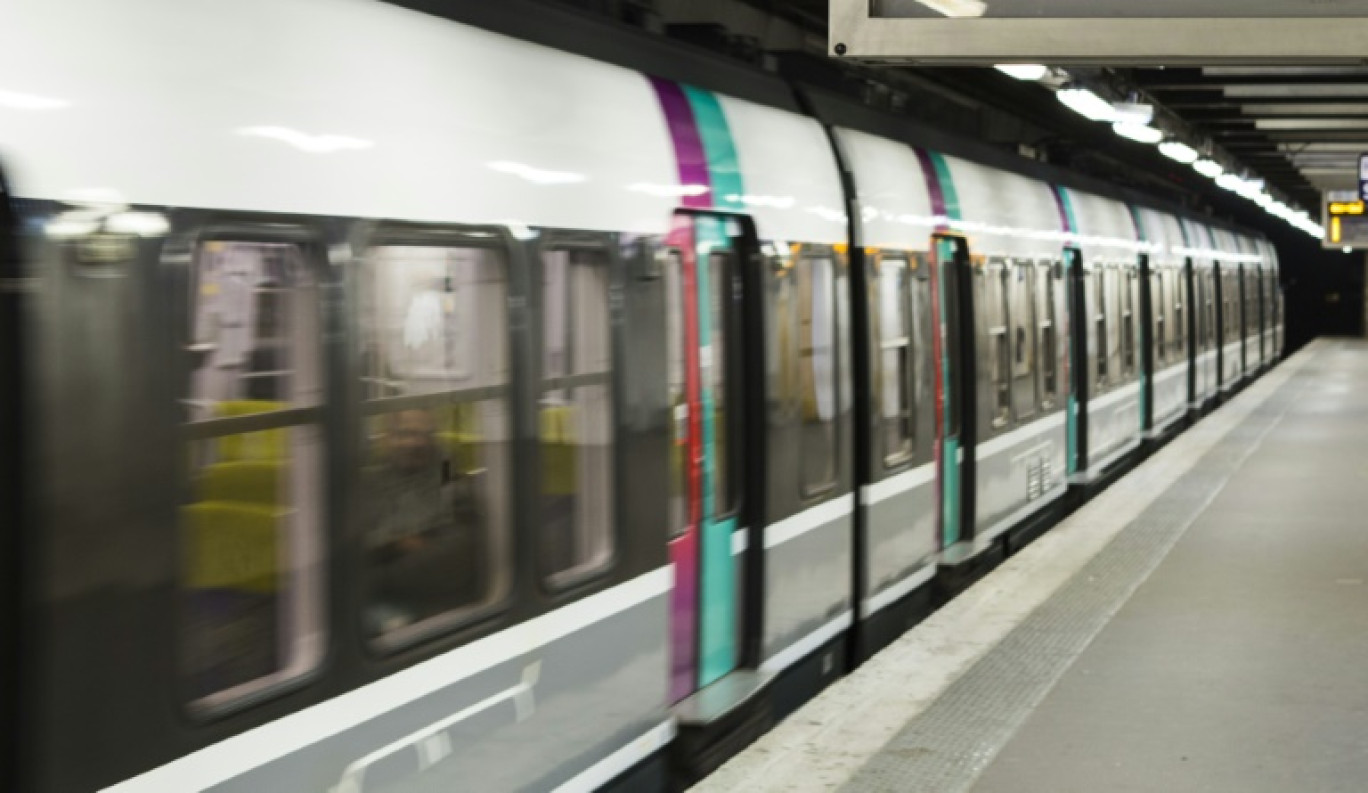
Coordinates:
(1196,79)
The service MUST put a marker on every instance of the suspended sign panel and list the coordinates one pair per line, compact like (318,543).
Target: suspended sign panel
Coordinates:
(1346,220)
(1205,32)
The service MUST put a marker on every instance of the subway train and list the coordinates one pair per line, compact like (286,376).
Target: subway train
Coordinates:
(390,404)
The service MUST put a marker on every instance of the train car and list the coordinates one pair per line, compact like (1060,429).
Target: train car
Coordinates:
(1167,303)
(1203,287)
(500,418)
(898,306)
(1106,330)
(1270,305)
(1251,318)
(1230,309)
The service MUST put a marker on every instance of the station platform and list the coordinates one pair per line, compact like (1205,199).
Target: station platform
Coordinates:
(1202,625)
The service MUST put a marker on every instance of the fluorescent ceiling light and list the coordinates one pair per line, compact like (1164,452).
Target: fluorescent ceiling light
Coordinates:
(1177,150)
(313,144)
(1208,168)
(1023,71)
(1250,188)
(1137,132)
(536,175)
(17,101)
(956,8)
(1087,104)
(1133,112)
(1229,181)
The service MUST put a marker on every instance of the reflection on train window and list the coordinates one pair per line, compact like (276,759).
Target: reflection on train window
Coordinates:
(576,414)
(1021,292)
(1159,303)
(817,372)
(1127,287)
(997,316)
(1100,303)
(1049,343)
(725,489)
(1209,315)
(679,396)
(1179,320)
(1001,377)
(251,565)
(437,440)
(894,326)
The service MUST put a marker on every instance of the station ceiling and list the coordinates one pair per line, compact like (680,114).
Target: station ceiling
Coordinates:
(1302,128)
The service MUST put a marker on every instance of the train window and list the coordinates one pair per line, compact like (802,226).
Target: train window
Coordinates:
(996,314)
(1209,313)
(1127,286)
(1102,353)
(437,443)
(252,575)
(1002,373)
(817,372)
(725,490)
(1049,344)
(578,442)
(678,394)
(1179,318)
(895,360)
(1235,310)
(1020,293)
(1157,303)
(1160,324)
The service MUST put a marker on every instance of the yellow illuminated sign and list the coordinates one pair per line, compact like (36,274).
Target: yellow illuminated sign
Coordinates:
(1336,232)
(1347,208)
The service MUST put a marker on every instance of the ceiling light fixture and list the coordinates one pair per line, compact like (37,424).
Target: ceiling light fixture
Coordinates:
(1177,150)
(1024,71)
(1137,132)
(1208,168)
(1229,181)
(1087,104)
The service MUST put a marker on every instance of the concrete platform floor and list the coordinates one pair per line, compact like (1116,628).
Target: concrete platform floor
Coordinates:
(1200,626)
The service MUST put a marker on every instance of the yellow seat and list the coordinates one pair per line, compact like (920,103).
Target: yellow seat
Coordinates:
(560,453)
(260,445)
(232,546)
(251,482)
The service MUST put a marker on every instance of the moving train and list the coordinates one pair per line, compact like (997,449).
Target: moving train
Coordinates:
(387,404)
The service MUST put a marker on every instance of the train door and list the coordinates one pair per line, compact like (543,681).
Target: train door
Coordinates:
(11,484)
(703,289)
(1153,335)
(1193,300)
(1079,385)
(952,347)
(1221,332)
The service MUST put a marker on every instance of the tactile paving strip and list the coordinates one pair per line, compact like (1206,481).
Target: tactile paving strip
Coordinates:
(947,747)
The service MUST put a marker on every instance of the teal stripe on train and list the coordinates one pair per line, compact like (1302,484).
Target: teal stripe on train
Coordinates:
(718,607)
